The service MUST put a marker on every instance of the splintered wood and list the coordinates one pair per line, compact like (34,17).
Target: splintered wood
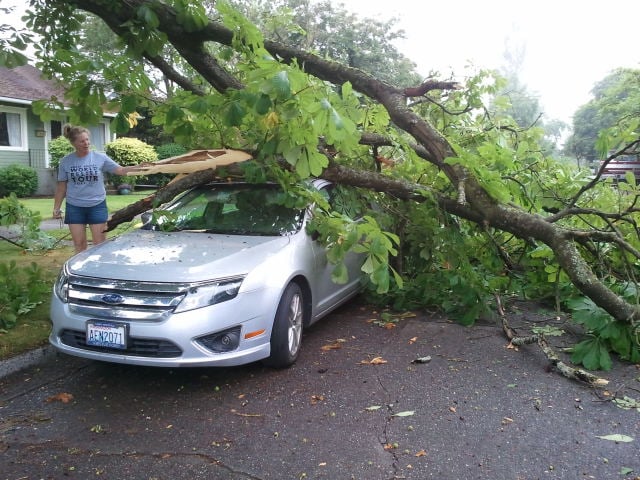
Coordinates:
(193,161)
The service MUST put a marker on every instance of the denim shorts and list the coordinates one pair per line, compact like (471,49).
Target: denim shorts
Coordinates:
(86,215)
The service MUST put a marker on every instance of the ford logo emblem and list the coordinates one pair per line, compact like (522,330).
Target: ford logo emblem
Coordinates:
(113,298)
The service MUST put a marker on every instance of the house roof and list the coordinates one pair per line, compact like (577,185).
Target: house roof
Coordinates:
(27,83)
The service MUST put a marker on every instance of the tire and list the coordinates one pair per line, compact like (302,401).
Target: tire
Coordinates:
(286,334)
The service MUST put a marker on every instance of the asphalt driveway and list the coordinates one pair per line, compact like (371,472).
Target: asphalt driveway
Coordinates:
(355,406)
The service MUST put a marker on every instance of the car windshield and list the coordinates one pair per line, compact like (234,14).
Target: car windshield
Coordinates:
(245,209)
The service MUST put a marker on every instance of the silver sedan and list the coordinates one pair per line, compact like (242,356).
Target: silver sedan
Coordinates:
(225,275)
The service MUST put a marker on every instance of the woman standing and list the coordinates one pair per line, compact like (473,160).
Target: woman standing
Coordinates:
(81,181)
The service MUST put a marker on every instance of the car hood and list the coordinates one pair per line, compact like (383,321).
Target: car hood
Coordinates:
(145,255)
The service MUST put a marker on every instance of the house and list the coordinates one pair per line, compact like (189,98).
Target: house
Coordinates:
(24,137)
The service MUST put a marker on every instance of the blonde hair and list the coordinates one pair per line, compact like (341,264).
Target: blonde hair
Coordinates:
(72,132)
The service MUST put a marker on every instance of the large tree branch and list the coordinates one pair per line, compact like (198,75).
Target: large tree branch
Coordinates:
(173,75)
(473,201)
(190,47)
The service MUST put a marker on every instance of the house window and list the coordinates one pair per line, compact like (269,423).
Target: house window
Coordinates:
(56,129)
(99,136)
(12,129)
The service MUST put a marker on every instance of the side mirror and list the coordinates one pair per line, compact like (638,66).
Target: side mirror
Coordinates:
(146,220)
(313,233)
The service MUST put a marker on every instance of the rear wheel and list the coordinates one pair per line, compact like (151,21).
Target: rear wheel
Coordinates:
(286,335)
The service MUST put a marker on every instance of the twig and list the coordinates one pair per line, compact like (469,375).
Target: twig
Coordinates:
(11,241)
(568,371)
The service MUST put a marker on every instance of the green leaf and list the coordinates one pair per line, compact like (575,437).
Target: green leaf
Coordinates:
(340,275)
(548,331)
(302,167)
(616,437)
(379,246)
(200,106)
(630,178)
(129,103)
(593,354)
(317,162)
(263,104)
(398,279)
(191,14)
(281,85)
(121,123)
(368,265)
(380,278)
(406,413)
(148,16)
(235,114)
(627,403)
(470,314)
(336,120)
(587,313)
(293,154)
(174,114)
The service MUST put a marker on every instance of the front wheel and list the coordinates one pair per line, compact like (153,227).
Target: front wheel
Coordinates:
(286,334)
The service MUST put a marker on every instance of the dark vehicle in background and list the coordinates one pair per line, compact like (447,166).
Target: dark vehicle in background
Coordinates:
(618,168)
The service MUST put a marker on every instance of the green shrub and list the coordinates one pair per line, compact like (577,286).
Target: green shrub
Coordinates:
(58,148)
(18,179)
(169,150)
(25,224)
(21,290)
(129,151)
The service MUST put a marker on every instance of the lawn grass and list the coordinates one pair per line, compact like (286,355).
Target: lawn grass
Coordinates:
(32,329)
(44,205)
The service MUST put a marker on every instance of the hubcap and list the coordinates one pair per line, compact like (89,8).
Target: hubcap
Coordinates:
(295,324)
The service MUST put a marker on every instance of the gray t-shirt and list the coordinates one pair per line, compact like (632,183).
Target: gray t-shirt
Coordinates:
(85,177)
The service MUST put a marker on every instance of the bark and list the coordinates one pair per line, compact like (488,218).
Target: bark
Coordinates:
(163,195)
(472,203)
(568,371)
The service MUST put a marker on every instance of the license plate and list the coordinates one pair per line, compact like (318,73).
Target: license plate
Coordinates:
(107,334)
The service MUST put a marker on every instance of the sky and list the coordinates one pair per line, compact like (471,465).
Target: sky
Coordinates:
(569,45)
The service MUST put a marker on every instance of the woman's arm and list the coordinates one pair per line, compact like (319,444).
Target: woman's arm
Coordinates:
(61,192)
(124,170)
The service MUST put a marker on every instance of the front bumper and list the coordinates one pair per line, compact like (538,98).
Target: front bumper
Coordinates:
(172,341)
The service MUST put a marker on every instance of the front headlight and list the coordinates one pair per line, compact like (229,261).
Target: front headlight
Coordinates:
(209,294)
(61,287)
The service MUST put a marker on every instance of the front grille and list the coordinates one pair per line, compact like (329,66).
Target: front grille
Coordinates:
(136,346)
(140,301)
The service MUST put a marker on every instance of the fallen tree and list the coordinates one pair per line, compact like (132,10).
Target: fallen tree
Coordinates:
(453,155)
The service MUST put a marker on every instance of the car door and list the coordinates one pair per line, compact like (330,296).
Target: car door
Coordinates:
(328,293)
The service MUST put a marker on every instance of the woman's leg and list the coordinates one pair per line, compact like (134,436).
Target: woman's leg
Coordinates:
(79,217)
(98,234)
(97,218)
(79,236)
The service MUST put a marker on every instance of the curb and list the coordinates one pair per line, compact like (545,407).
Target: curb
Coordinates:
(24,360)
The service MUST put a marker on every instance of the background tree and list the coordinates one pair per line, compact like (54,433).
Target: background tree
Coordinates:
(13,42)
(522,105)
(613,108)
(331,31)
(473,207)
